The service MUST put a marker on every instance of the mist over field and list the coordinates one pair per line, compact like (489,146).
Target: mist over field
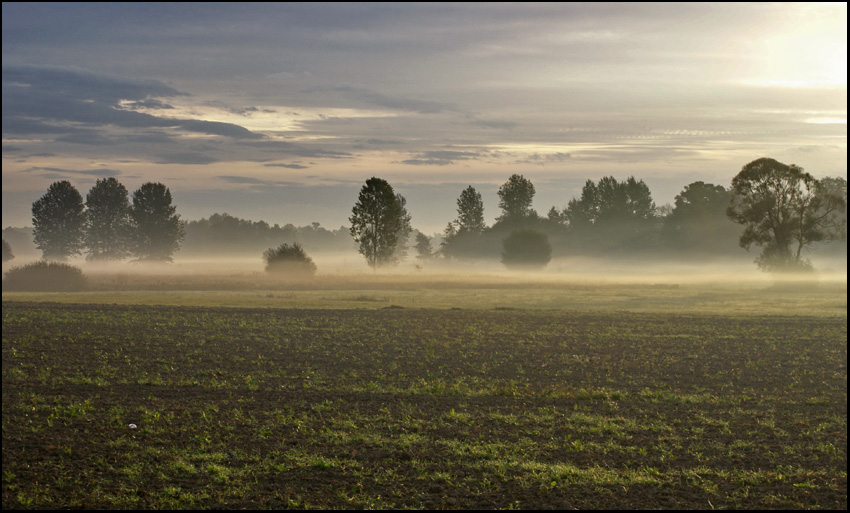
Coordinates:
(295,255)
(347,269)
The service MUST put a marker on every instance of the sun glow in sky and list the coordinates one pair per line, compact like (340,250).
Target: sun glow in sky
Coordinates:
(280,112)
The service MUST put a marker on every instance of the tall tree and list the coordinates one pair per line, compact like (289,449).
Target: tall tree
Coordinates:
(58,220)
(400,252)
(515,197)
(462,236)
(156,229)
(784,210)
(377,219)
(108,220)
(470,212)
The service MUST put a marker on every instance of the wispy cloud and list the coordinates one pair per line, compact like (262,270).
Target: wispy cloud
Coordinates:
(55,172)
(440,157)
(393,102)
(288,166)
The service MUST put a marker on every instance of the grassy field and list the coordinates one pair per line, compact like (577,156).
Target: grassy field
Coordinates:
(738,295)
(427,395)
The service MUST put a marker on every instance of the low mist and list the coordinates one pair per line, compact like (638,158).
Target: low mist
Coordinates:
(348,270)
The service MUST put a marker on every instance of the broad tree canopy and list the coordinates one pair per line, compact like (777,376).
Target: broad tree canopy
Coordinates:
(783,210)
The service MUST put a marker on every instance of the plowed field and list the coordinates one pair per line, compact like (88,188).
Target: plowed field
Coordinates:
(418,408)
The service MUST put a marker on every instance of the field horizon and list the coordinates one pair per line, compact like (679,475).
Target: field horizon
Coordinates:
(427,389)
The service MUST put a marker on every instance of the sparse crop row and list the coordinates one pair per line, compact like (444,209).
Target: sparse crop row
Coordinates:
(270,408)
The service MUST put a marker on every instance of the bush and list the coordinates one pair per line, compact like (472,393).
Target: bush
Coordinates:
(44,276)
(526,249)
(290,260)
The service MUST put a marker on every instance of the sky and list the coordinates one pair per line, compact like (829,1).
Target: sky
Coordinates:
(281,112)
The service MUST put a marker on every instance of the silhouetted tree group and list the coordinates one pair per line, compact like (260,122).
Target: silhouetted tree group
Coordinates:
(780,208)
(107,226)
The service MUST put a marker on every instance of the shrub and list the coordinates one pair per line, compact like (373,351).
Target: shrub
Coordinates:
(526,249)
(290,260)
(44,276)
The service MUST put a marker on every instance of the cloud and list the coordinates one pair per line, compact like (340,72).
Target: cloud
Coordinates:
(440,157)
(495,123)
(186,158)
(218,128)
(249,180)
(427,162)
(79,84)
(546,158)
(377,99)
(54,172)
(289,148)
(149,103)
(289,166)
(43,99)
(86,137)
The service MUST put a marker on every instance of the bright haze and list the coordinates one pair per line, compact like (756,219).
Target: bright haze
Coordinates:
(280,112)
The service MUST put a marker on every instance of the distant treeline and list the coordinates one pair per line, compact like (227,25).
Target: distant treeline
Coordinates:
(223,233)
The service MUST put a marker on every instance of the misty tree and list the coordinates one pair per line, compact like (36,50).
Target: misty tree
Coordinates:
(449,234)
(461,233)
(784,210)
(836,186)
(470,212)
(515,197)
(698,221)
(400,253)
(108,220)
(377,219)
(58,220)
(7,251)
(424,251)
(156,230)
(612,214)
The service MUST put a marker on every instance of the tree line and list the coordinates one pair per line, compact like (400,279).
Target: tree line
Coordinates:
(778,208)
(227,234)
